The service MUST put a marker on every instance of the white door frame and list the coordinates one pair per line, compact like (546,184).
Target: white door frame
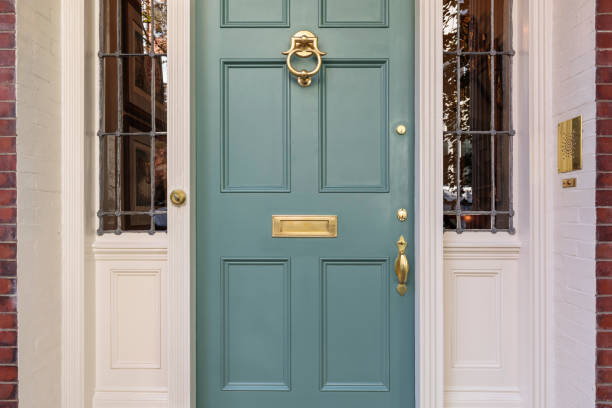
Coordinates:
(181,236)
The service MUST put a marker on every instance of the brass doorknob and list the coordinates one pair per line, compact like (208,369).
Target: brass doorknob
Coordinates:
(178,197)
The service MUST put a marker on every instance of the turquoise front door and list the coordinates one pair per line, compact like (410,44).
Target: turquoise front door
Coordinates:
(304,312)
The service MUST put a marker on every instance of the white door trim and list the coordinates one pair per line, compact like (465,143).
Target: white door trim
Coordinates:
(428,236)
(541,172)
(428,206)
(73,203)
(181,220)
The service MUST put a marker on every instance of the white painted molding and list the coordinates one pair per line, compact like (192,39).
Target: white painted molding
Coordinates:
(181,220)
(73,203)
(131,399)
(476,250)
(130,246)
(540,176)
(428,205)
(483,397)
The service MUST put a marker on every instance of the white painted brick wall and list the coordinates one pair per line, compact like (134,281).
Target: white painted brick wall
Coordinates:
(573,84)
(38,167)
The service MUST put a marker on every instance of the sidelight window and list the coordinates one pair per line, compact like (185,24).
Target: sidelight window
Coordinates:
(133,116)
(477,112)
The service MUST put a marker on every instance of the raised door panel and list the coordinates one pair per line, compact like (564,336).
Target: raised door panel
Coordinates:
(256,324)
(354,325)
(254,13)
(353,126)
(353,13)
(255,146)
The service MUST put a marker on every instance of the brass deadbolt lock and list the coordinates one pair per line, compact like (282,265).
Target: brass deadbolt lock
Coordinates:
(402,214)
(178,197)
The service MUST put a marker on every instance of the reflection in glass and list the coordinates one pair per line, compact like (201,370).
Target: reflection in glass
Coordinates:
(477,115)
(133,116)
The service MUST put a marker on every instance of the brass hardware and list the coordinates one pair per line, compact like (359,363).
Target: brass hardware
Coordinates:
(304,44)
(569,148)
(568,183)
(401,266)
(402,214)
(178,197)
(400,130)
(305,226)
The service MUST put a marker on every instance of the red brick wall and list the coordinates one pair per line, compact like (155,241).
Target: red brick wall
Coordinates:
(604,202)
(8,209)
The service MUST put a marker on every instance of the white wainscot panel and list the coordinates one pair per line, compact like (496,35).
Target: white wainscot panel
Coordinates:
(131,313)
(135,318)
(481,314)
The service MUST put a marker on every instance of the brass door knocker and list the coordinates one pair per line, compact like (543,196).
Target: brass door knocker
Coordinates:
(304,44)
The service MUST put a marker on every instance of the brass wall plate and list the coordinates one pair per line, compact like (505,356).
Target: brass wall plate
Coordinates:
(569,156)
(305,226)
(568,183)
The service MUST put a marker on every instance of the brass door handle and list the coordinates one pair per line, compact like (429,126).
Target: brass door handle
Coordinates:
(304,44)
(401,266)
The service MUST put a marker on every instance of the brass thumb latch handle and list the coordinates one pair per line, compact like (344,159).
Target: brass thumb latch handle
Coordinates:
(401,266)
(304,44)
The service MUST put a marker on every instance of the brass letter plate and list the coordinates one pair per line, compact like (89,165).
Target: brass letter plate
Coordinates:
(305,226)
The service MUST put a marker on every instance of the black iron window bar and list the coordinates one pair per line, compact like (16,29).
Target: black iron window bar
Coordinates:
(118,213)
(458,212)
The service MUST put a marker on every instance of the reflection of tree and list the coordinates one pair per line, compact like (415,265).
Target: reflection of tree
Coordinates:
(467,107)
(449,98)
(160,26)
(451,102)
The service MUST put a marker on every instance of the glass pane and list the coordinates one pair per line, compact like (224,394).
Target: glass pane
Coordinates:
(503,25)
(109,223)
(161,27)
(134,100)
(137,94)
(503,93)
(450,172)
(111,104)
(502,222)
(475,93)
(476,173)
(484,104)
(161,93)
(108,161)
(160,172)
(472,222)
(109,20)
(138,222)
(475,23)
(502,173)
(136,181)
(450,222)
(136,26)
(449,24)
(161,182)
(450,93)
(136,173)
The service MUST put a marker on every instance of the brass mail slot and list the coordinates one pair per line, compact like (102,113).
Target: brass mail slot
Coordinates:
(305,226)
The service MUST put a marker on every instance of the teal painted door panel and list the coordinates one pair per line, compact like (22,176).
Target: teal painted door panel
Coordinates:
(303,322)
